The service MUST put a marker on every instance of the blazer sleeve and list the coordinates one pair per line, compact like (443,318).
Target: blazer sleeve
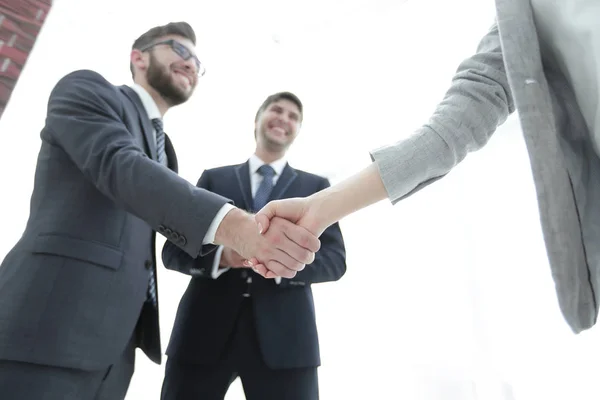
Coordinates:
(330,261)
(174,258)
(85,121)
(478,101)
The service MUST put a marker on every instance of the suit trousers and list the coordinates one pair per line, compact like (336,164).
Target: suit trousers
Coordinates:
(21,380)
(188,381)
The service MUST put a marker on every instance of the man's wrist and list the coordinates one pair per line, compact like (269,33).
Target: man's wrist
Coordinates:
(223,262)
(237,224)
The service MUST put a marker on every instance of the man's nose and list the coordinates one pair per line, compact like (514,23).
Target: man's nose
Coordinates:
(190,66)
(283,119)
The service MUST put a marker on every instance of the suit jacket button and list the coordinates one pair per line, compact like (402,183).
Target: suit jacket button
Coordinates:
(148,264)
(161,229)
(182,240)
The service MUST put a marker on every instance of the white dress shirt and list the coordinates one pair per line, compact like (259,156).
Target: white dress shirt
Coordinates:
(255,180)
(153,112)
(569,32)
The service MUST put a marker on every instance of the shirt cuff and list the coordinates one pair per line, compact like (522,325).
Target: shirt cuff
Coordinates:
(278,280)
(216,269)
(209,238)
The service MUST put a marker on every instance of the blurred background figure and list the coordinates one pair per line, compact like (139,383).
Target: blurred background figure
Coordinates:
(234,323)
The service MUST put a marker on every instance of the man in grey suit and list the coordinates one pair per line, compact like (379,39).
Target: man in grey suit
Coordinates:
(541,58)
(78,291)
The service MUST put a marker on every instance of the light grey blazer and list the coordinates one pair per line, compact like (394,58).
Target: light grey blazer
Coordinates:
(508,72)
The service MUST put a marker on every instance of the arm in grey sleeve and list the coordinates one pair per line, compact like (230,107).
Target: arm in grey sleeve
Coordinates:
(478,101)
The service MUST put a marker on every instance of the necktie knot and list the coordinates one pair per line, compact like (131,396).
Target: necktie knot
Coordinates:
(266,171)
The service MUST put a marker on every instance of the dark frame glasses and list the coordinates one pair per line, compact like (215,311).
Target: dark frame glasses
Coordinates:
(181,51)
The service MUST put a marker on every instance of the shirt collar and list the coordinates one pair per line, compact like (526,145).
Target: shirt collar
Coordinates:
(256,163)
(147,101)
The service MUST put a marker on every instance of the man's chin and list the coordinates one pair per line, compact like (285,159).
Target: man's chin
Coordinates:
(277,146)
(278,139)
(178,97)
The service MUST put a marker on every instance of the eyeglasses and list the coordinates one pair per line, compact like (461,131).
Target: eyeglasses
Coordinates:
(181,51)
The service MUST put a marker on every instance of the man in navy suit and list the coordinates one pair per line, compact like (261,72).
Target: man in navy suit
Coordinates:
(234,323)
(78,291)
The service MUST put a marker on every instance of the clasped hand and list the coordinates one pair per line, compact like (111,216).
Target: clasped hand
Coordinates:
(293,224)
(281,248)
(278,241)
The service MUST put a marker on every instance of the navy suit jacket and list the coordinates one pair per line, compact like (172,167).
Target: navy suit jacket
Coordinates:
(284,314)
(73,289)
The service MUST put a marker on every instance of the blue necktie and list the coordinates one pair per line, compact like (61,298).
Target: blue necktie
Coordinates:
(160,140)
(261,198)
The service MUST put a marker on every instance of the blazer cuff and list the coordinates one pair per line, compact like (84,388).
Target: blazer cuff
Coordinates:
(409,165)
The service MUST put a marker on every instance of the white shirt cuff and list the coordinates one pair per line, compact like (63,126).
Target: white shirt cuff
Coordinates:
(216,269)
(209,238)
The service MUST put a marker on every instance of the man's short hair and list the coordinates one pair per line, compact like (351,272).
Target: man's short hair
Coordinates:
(280,96)
(182,29)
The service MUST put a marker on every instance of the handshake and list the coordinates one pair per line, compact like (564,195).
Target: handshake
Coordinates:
(276,242)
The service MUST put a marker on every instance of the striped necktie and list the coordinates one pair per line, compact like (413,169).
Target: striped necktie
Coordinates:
(160,140)
(162,158)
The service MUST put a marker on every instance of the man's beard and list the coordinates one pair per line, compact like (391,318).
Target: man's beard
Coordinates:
(159,78)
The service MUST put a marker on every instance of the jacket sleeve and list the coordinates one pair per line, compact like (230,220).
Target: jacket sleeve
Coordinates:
(174,258)
(84,120)
(478,101)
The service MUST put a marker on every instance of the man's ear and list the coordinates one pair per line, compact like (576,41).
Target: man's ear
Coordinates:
(256,127)
(138,60)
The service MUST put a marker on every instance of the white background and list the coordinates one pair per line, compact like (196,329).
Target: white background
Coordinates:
(448,294)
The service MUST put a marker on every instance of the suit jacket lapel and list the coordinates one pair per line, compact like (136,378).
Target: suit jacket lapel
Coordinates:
(288,175)
(242,172)
(171,156)
(144,120)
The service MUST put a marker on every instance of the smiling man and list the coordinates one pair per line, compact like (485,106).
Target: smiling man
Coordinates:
(234,323)
(78,291)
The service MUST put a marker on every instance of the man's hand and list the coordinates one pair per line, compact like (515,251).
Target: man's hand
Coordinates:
(231,258)
(279,227)
(299,212)
(284,251)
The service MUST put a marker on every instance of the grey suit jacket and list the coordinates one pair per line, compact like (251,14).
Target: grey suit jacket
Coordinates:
(73,289)
(509,72)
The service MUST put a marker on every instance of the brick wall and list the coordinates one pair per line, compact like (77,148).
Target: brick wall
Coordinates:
(20,24)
